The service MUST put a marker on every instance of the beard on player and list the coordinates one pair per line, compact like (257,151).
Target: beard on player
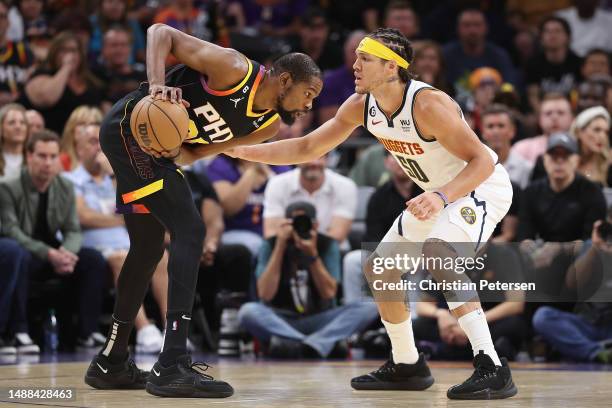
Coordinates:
(288,116)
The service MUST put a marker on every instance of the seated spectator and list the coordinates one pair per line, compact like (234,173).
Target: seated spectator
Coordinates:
(63,83)
(32,21)
(472,51)
(556,68)
(114,13)
(590,26)
(185,16)
(369,169)
(555,115)
(16,60)
(77,121)
(429,65)
(14,336)
(274,18)
(339,83)
(240,186)
(13,136)
(563,206)
(596,62)
(297,273)
(400,15)
(315,40)
(484,83)
(438,331)
(114,68)
(589,94)
(105,231)
(581,335)
(384,205)
(227,267)
(35,121)
(498,131)
(38,206)
(334,196)
(592,128)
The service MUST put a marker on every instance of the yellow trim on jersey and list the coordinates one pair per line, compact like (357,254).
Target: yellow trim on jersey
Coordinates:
(373,47)
(249,109)
(143,191)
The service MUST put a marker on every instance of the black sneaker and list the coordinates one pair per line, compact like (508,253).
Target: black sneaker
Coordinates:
(186,380)
(103,375)
(488,381)
(391,376)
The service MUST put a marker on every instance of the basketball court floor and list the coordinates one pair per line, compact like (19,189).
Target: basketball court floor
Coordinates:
(264,383)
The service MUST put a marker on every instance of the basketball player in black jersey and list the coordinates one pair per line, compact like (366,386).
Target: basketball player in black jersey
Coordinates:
(231,100)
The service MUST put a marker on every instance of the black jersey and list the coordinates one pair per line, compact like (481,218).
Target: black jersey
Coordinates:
(219,116)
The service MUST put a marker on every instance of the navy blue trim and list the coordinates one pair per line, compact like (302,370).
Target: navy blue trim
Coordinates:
(416,127)
(400,230)
(482,204)
(365,111)
(398,110)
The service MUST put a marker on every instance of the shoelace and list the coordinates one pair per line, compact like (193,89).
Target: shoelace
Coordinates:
(387,368)
(200,368)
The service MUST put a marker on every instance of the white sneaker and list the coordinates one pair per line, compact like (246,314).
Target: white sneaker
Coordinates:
(25,345)
(149,340)
(7,348)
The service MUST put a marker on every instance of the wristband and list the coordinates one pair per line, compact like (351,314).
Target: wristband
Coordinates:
(311,259)
(443,197)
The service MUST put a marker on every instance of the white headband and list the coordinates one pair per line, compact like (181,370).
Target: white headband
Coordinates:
(586,116)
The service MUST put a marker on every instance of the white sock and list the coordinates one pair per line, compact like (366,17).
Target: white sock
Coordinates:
(474,324)
(402,342)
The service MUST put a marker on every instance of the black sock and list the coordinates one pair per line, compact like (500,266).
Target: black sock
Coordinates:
(175,341)
(116,346)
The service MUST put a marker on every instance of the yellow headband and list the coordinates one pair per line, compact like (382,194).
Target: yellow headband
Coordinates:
(370,46)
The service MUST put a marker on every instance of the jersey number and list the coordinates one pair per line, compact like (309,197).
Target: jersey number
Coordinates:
(413,169)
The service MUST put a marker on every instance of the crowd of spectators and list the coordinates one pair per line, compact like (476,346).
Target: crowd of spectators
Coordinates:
(281,260)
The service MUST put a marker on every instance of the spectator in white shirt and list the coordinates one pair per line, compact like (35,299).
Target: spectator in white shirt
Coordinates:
(590,26)
(333,195)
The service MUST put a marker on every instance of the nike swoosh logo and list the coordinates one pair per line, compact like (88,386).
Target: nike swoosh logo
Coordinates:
(102,368)
(186,317)
(376,123)
(155,372)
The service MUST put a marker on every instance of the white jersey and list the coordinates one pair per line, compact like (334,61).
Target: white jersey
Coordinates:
(426,162)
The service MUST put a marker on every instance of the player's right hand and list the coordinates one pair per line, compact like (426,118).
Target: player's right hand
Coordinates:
(168,93)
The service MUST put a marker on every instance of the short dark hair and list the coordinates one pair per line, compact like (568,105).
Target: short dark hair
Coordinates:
(397,42)
(554,96)
(44,135)
(497,109)
(398,5)
(562,21)
(300,66)
(311,14)
(597,51)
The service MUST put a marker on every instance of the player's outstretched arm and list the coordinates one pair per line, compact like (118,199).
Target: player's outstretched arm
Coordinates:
(223,66)
(313,145)
(437,115)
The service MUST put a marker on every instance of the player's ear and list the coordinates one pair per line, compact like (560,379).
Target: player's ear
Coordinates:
(285,80)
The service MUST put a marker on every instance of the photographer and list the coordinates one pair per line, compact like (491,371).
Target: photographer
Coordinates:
(297,279)
(583,335)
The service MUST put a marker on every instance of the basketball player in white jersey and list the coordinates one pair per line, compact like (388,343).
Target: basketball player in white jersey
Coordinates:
(466,194)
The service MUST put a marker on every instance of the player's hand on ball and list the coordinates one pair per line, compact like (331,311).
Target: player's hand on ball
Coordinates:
(168,93)
(425,205)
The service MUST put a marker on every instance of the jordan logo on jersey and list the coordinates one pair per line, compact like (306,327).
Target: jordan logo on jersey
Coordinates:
(216,129)
(236,101)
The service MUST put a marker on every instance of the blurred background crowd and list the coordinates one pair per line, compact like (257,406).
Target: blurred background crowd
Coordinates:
(282,254)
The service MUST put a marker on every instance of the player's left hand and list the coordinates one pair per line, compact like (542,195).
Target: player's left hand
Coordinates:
(425,205)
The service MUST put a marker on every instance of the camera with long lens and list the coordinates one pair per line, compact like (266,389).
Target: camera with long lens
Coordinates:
(302,224)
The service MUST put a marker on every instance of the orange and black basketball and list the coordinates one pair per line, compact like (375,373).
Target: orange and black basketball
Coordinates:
(159,125)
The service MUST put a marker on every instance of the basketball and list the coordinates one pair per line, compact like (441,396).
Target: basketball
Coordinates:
(159,125)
